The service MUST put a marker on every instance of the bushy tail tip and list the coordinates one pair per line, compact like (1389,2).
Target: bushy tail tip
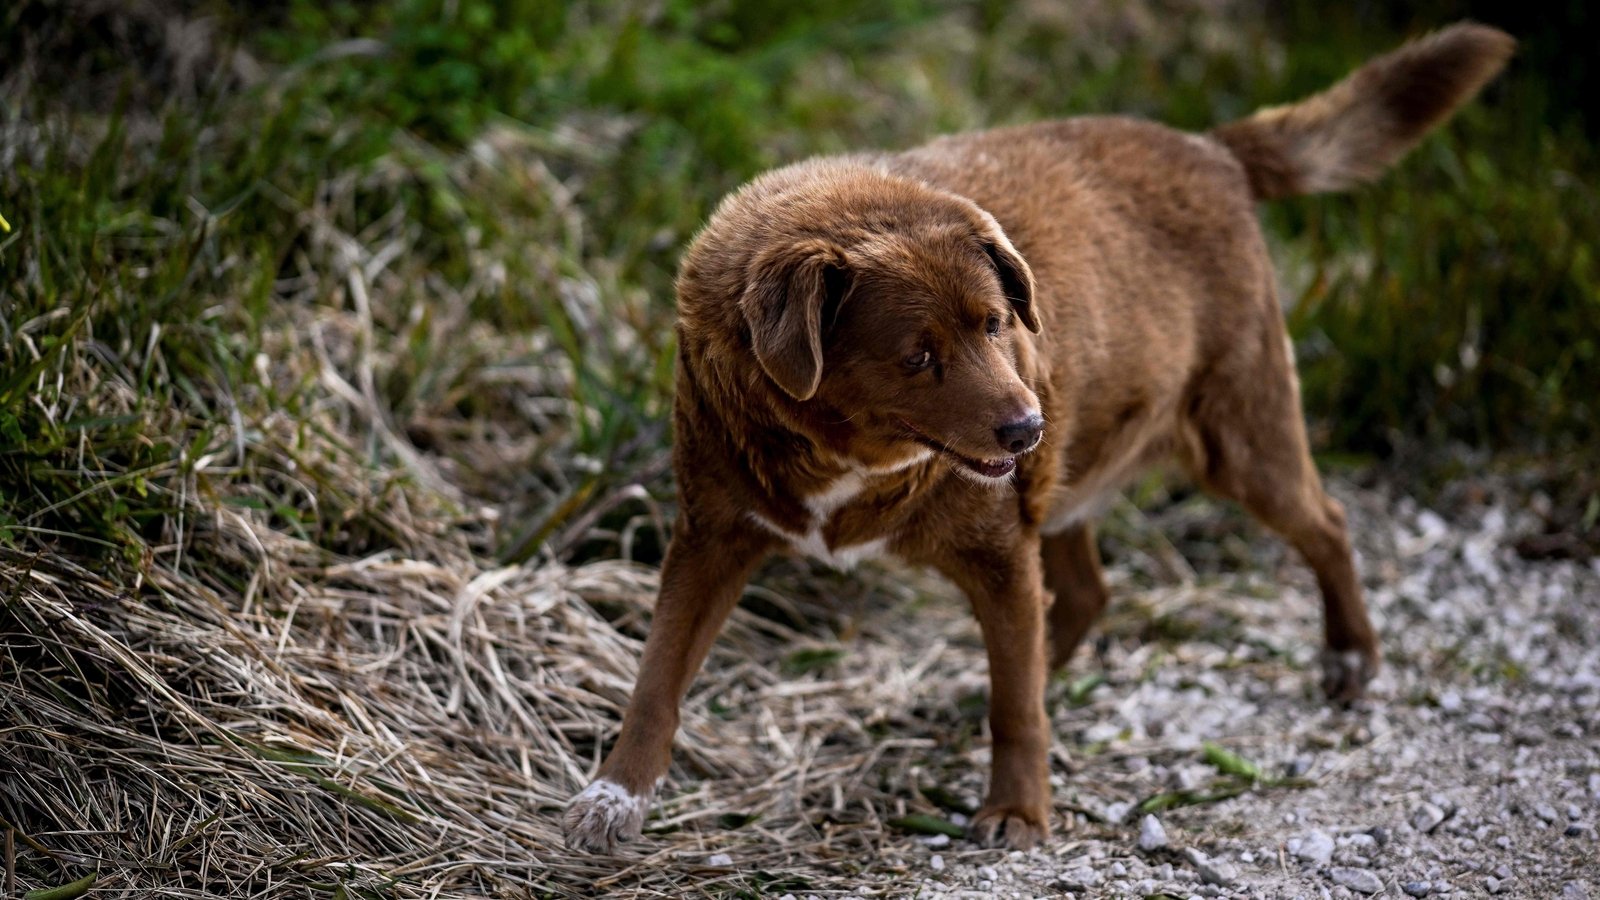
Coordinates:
(1353,131)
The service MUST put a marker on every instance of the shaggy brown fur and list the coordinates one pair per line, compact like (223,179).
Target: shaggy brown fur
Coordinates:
(871,346)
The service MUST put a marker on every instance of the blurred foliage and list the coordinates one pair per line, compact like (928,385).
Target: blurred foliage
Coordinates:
(1455,300)
(1458,299)
(182,175)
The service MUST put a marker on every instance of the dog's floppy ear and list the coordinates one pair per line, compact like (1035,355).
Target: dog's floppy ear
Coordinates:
(1016,279)
(788,290)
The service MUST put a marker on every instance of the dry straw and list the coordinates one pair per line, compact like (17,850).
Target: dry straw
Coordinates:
(409,726)
(410,722)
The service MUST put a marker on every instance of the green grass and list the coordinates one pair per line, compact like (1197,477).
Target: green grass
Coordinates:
(451,228)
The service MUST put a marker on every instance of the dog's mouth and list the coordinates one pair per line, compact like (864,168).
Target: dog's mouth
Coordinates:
(990,469)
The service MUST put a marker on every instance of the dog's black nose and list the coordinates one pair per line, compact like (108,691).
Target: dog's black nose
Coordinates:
(1020,436)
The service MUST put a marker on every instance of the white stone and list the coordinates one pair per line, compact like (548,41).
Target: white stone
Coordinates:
(1152,836)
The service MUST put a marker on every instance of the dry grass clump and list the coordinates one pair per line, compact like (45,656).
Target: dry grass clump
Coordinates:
(406,726)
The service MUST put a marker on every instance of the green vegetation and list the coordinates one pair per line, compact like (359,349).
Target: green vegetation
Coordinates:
(528,171)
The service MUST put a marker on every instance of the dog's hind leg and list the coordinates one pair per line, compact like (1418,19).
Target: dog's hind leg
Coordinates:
(1250,446)
(1072,573)
(1006,589)
(701,581)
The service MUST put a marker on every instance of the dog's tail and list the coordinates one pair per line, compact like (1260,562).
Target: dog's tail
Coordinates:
(1354,130)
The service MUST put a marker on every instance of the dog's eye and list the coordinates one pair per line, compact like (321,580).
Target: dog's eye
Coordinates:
(919,360)
(993,326)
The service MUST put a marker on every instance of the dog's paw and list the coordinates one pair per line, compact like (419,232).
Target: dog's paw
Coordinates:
(604,815)
(1011,827)
(1345,674)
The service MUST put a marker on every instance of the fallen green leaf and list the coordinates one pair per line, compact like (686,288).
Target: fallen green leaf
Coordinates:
(921,823)
(66,891)
(947,799)
(1229,763)
(731,821)
(1174,799)
(1079,691)
(811,659)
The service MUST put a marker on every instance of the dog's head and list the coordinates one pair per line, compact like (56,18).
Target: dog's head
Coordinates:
(904,328)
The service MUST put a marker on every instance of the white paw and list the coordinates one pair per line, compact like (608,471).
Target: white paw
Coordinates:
(604,815)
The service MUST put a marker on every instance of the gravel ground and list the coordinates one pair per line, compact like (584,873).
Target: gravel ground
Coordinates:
(1473,768)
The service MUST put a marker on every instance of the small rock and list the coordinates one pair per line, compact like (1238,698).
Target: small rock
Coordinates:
(936,863)
(1503,842)
(1219,872)
(1493,885)
(719,859)
(1080,877)
(1573,812)
(1316,847)
(1527,737)
(1379,834)
(1546,812)
(988,872)
(1118,870)
(1417,888)
(1576,829)
(1426,818)
(1502,872)
(1359,880)
(1151,835)
(1116,812)
(1360,840)
(1574,890)
(937,840)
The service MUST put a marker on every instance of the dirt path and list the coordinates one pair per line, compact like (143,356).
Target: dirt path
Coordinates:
(1474,768)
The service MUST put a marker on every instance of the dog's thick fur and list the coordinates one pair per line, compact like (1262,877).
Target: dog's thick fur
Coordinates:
(867,345)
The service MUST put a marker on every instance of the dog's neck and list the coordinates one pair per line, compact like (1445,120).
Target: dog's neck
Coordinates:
(807,473)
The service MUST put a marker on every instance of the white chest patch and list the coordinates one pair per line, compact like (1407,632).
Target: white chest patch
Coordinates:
(823,504)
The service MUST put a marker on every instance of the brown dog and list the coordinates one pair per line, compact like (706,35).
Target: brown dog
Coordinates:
(956,353)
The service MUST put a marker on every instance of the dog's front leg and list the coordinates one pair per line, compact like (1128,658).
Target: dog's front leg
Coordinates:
(1007,593)
(701,579)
